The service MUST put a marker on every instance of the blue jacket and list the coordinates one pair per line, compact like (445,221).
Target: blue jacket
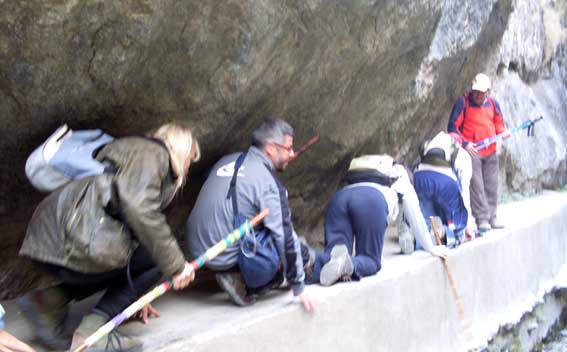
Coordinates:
(444,192)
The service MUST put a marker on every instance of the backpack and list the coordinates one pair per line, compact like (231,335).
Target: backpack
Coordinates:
(258,258)
(466,105)
(440,150)
(66,155)
(379,169)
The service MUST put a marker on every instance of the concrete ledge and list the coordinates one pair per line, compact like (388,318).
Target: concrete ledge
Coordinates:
(408,306)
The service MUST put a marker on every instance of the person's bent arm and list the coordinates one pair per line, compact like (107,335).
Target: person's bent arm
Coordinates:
(413,214)
(456,120)
(139,189)
(281,229)
(184,278)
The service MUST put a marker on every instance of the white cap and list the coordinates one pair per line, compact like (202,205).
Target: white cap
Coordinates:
(481,83)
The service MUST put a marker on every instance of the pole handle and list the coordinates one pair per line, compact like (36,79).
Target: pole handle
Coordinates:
(434,227)
(304,147)
(259,217)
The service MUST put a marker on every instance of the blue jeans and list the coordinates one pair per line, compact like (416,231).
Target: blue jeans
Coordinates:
(258,260)
(120,293)
(428,209)
(355,213)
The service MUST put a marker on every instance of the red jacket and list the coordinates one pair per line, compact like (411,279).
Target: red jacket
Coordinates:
(475,123)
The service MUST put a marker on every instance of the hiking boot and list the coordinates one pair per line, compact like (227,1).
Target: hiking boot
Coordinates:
(495,224)
(309,256)
(454,244)
(483,226)
(339,267)
(440,229)
(232,284)
(405,239)
(46,311)
(114,341)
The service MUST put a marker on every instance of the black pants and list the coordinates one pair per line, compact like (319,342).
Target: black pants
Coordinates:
(120,292)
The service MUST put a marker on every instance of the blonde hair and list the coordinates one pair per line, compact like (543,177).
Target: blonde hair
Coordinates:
(180,143)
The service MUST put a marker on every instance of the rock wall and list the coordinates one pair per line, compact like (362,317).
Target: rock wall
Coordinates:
(542,323)
(366,76)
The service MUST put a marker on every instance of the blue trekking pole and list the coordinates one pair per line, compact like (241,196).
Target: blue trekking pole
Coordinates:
(529,124)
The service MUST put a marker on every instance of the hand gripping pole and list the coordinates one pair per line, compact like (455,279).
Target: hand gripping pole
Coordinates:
(159,290)
(459,303)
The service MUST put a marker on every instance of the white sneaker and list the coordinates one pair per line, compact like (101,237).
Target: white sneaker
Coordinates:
(339,267)
(405,239)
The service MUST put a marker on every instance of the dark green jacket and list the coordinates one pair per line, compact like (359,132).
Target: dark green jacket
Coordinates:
(92,225)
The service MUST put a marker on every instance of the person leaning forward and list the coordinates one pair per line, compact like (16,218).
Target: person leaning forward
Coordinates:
(109,232)
(476,116)
(264,258)
(441,181)
(357,217)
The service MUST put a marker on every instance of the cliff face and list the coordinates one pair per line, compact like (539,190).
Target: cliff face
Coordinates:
(366,76)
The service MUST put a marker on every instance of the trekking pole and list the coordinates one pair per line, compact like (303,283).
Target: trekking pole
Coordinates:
(529,124)
(159,290)
(460,308)
(304,147)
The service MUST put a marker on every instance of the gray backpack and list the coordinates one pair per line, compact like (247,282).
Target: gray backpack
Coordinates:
(65,156)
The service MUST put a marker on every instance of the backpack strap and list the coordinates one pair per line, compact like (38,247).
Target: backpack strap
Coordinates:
(232,189)
(493,103)
(465,106)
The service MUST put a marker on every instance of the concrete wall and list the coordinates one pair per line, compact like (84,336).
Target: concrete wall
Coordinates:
(408,306)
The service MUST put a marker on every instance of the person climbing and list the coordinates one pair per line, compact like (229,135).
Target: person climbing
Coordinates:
(108,232)
(441,181)
(357,217)
(238,186)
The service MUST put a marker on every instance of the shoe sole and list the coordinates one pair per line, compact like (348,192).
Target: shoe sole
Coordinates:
(339,266)
(42,332)
(234,297)
(406,243)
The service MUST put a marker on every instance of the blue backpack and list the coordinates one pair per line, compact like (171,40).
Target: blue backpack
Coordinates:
(258,260)
(65,156)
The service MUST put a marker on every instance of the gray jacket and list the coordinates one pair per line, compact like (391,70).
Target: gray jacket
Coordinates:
(257,188)
(92,225)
